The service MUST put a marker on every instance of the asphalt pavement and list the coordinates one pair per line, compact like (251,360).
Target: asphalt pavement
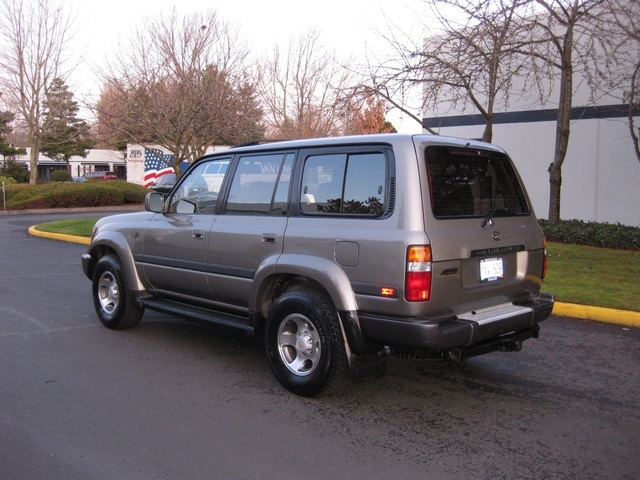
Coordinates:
(174,399)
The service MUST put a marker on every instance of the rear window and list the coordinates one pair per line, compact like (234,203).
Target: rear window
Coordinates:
(473,183)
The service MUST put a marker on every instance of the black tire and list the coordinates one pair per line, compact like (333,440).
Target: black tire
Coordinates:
(305,345)
(114,303)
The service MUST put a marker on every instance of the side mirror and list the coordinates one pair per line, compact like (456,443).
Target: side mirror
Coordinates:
(154,202)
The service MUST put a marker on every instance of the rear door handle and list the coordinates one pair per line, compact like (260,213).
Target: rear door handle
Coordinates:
(269,238)
(198,235)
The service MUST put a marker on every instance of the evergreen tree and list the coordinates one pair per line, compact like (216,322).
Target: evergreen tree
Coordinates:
(9,167)
(63,133)
(7,150)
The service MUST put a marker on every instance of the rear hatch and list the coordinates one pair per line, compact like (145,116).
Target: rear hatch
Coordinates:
(487,247)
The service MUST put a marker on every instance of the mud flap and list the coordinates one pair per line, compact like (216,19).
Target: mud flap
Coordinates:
(368,367)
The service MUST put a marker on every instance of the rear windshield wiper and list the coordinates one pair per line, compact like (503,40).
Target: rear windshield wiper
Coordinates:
(488,220)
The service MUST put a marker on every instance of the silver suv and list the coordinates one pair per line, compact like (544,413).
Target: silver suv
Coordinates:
(337,251)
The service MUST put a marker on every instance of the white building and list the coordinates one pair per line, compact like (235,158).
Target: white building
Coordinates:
(600,174)
(95,161)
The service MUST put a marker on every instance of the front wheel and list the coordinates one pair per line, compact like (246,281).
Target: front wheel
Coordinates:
(114,303)
(305,345)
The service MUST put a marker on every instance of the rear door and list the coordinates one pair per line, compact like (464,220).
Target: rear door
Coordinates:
(251,227)
(487,247)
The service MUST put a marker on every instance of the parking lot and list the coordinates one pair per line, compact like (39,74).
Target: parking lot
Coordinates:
(170,399)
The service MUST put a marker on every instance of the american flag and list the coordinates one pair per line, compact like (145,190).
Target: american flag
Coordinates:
(156,164)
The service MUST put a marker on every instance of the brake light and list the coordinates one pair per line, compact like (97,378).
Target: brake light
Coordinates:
(418,273)
(544,260)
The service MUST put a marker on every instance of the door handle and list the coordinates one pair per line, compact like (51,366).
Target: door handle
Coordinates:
(198,235)
(269,238)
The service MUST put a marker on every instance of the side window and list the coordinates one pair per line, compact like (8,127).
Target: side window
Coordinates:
(366,184)
(350,184)
(322,182)
(253,190)
(198,192)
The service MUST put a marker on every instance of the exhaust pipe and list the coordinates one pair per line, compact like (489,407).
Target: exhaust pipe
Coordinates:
(455,355)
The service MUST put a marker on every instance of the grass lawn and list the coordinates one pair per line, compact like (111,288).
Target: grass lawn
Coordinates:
(80,227)
(599,277)
(584,275)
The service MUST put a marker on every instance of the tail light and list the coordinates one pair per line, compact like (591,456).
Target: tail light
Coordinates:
(418,273)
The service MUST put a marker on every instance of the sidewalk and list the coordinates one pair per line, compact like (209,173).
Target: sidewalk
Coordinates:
(609,315)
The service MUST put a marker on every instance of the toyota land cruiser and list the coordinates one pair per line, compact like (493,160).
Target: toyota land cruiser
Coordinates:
(337,251)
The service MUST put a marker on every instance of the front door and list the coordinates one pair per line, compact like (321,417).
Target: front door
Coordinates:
(176,243)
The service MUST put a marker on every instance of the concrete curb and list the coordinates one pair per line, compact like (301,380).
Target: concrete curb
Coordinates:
(609,315)
(59,236)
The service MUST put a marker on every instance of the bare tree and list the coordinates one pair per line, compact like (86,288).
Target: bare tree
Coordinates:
(468,59)
(182,84)
(34,36)
(624,31)
(304,91)
(479,54)
(567,38)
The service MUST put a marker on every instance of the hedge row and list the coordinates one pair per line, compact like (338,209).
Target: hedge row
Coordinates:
(73,194)
(593,234)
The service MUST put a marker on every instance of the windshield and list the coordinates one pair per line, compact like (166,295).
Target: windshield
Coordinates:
(469,182)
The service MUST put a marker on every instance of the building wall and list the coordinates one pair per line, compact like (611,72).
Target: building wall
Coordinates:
(96,160)
(601,174)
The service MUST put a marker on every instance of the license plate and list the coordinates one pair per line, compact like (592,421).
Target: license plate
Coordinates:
(491,269)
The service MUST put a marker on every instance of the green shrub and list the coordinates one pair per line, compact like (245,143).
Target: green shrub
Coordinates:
(131,192)
(13,169)
(72,194)
(593,234)
(7,180)
(60,176)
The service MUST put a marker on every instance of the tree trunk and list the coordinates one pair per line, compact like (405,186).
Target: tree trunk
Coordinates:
(555,184)
(563,127)
(33,163)
(487,136)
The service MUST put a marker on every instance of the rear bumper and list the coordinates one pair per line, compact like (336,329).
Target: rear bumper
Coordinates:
(484,327)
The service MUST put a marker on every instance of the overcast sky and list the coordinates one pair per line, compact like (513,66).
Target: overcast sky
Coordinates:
(350,27)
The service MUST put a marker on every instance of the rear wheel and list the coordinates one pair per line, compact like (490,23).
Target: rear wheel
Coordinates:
(305,345)
(114,303)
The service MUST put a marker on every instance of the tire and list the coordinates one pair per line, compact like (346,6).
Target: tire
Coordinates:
(305,345)
(114,303)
